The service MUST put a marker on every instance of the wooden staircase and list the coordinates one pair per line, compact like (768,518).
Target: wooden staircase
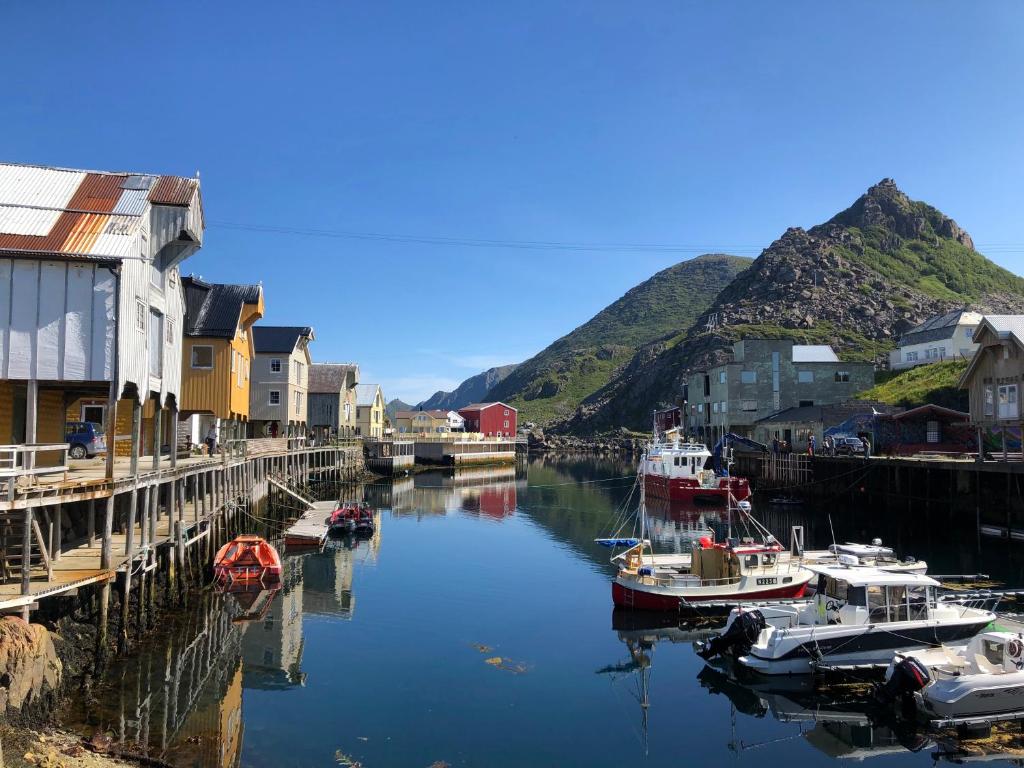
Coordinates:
(12,529)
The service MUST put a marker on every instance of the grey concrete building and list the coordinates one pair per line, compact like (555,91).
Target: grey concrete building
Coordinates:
(764,377)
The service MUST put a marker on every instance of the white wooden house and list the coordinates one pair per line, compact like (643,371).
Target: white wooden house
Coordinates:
(90,297)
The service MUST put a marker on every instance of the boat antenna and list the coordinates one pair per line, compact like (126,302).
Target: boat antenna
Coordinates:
(832,530)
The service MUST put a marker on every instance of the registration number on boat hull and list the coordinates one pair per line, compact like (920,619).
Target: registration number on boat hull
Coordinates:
(764,582)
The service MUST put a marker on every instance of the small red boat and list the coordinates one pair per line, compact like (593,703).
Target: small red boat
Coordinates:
(247,559)
(352,517)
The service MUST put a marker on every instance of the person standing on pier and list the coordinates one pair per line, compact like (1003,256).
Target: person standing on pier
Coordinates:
(211,439)
(810,445)
(867,446)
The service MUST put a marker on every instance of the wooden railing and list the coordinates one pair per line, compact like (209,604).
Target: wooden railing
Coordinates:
(21,461)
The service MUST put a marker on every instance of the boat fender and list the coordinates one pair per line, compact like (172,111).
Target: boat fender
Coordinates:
(908,676)
(738,637)
(705,542)
(645,570)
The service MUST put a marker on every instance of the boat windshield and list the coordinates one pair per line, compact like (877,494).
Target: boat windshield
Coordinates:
(898,603)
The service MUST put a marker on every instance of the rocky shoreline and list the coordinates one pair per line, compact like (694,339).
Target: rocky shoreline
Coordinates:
(624,444)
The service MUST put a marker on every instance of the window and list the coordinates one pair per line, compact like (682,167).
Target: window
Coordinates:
(275,365)
(202,356)
(505,424)
(1008,402)
(721,376)
(275,397)
(234,361)
(725,407)
(969,334)
(805,377)
(239,375)
(748,405)
(93,413)
(748,377)
(298,372)
(942,352)
(169,336)
(911,357)
(700,407)
(842,376)
(989,401)
(140,315)
(506,413)
(156,343)
(172,278)
(298,403)
(715,406)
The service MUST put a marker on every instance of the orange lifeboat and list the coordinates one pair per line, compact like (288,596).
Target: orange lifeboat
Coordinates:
(247,559)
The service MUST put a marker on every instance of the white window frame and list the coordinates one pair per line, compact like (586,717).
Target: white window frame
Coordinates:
(169,331)
(722,377)
(800,377)
(1008,401)
(141,311)
(725,407)
(192,357)
(842,377)
(275,361)
(989,400)
(270,397)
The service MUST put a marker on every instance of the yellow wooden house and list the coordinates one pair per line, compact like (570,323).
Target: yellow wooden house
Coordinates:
(217,357)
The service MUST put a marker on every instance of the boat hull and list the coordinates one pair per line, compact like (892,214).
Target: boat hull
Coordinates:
(625,596)
(691,491)
(874,647)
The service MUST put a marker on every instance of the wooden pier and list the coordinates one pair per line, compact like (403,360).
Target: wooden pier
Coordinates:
(75,526)
(310,530)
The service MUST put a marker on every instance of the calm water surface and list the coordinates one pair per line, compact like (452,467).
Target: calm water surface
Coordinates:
(476,629)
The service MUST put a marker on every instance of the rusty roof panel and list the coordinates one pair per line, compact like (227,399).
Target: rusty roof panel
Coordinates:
(173,190)
(48,211)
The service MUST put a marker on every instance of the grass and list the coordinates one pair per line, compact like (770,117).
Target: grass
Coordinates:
(933,383)
(850,344)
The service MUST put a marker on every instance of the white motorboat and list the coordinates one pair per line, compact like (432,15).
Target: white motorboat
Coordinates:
(858,619)
(985,678)
(873,555)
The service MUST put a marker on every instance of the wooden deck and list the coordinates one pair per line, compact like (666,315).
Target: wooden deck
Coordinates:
(310,530)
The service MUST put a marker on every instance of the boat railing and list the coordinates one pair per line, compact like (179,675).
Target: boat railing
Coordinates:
(687,579)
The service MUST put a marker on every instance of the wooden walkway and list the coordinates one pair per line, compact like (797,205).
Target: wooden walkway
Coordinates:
(310,530)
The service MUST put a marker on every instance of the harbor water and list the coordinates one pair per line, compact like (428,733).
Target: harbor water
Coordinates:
(475,628)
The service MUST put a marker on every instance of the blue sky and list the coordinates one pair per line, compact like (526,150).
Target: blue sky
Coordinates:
(708,126)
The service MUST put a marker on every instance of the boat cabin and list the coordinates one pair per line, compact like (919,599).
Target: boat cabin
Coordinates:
(676,460)
(863,595)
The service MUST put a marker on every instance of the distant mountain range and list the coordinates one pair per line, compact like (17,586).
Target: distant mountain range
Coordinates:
(856,282)
(472,390)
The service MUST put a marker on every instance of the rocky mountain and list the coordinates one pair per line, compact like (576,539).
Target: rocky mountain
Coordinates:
(396,405)
(472,390)
(857,281)
(551,385)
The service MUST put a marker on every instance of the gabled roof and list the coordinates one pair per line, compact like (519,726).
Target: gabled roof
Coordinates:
(433,413)
(932,410)
(814,353)
(1003,327)
(84,214)
(806,413)
(366,393)
(214,309)
(330,377)
(279,338)
(939,327)
(481,406)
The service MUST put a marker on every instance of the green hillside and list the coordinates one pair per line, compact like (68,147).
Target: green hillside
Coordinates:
(554,382)
(935,383)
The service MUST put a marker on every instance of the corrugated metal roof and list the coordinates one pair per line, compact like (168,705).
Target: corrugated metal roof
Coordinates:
(814,353)
(59,211)
(481,406)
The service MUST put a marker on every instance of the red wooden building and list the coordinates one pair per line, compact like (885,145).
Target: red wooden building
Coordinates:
(492,419)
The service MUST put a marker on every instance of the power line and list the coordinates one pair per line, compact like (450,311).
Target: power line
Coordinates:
(535,245)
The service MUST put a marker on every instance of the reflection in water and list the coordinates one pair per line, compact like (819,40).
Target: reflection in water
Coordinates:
(538,590)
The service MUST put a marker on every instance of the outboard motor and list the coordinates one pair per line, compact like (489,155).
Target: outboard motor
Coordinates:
(908,676)
(738,638)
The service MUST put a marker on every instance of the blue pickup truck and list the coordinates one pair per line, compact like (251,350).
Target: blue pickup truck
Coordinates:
(86,439)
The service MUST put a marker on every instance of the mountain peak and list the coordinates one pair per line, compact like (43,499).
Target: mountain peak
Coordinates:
(886,206)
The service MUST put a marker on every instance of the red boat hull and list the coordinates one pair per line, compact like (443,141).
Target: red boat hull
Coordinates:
(689,490)
(638,600)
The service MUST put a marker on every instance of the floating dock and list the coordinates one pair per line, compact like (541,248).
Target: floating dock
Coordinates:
(310,530)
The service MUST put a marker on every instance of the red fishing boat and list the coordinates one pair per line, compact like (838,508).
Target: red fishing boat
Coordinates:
(247,558)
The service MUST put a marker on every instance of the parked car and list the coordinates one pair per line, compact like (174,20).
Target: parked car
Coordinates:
(86,439)
(848,446)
